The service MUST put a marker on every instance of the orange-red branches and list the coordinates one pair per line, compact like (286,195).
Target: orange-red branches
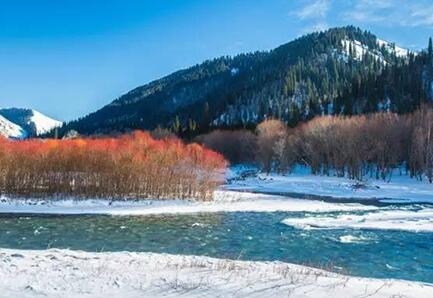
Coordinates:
(130,166)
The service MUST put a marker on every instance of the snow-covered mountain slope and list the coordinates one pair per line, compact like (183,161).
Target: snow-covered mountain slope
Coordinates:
(11,130)
(303,78)
(358,50)
(32,121)
(393,48)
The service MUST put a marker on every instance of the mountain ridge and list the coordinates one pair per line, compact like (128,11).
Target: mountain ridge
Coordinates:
(11,130)
(319,73)
(30,122)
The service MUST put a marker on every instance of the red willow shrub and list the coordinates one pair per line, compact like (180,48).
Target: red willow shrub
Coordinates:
(130,166)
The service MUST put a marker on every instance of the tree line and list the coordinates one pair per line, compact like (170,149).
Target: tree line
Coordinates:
(129,166)
(355,146)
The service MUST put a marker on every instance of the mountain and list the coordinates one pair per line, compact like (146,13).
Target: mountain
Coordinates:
(33,122)
(339,71)
(11,130)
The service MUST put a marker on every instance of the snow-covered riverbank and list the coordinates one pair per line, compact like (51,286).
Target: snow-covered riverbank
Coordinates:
(257,192)
(64,273)
(400,189)
(224,201)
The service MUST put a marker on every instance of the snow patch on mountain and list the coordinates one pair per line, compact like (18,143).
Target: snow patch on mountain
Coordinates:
(359,50)
(11,130)
(234,71)
(43,123)
(393,48)
(34,122)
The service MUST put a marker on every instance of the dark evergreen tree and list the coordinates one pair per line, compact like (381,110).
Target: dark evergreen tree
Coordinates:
(430,49)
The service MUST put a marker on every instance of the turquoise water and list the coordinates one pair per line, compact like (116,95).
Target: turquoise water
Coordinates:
(239,235)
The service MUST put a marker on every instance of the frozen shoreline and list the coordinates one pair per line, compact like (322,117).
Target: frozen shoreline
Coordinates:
(401,188)
(225,201)
(65,273)
(255,193)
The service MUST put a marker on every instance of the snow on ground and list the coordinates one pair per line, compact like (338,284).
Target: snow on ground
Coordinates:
(64,273)
(401,188)
(404,220)
(224,201)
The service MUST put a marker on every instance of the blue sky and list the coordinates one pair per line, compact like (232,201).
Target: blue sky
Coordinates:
(67,58)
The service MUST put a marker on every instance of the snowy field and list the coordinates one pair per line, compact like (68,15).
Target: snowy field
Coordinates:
(400,189)
(64,273)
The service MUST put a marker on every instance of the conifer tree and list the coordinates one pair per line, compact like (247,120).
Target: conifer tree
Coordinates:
(430,49)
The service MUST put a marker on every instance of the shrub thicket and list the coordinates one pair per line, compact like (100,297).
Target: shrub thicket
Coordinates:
(356,146)
(134,165)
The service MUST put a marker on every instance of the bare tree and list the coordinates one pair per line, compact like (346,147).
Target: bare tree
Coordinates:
(421,159)
(271,135)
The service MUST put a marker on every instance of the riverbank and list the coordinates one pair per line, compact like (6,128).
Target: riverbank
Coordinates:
(224,201)
(246,189)
(60,273)
(301,183)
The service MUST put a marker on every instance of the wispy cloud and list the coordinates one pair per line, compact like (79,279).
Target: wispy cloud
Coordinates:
(422,16)
(315,15)
(367,11)
(391,12)
(381,4)
(319,26)
(314,12)
(315,9)
(363,16)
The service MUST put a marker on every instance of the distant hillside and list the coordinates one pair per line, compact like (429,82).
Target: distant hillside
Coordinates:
(11,130)
(30,121)
(339,71)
